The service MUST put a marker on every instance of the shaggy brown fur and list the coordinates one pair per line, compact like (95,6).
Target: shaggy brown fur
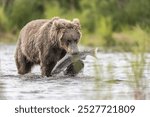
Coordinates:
(45,42)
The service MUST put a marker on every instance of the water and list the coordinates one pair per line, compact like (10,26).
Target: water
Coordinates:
(108,77)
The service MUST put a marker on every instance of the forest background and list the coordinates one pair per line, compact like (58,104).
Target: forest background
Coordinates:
(109,24)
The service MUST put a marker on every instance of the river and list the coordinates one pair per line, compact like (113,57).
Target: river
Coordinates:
(110,76)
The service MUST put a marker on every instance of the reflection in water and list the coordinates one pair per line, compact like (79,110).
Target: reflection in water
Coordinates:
(139,94)
(2,95)
(104,78)
(140,89)
(0,65)
(1,85)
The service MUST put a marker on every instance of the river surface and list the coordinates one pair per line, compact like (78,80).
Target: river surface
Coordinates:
(110,76)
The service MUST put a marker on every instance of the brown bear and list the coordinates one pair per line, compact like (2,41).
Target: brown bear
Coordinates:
(45,42)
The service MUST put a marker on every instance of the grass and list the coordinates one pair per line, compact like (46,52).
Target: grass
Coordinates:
(136,42)
(135,78)
(8,38)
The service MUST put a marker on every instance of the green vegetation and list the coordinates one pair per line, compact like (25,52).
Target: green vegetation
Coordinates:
(115,24)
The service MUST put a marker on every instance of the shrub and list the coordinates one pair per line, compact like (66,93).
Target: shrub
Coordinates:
(3,20)
(25,10)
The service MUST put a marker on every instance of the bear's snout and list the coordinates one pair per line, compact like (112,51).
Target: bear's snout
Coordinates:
(73,48)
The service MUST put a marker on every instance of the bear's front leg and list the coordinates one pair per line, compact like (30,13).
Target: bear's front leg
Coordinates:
(47,68)
(47,61)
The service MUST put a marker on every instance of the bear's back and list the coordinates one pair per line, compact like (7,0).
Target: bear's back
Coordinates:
(33,26)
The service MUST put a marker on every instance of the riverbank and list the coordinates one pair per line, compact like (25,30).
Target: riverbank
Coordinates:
(129,40)
(8,38)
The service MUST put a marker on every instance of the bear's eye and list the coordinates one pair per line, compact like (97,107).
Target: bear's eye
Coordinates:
(76,40)
(68,41)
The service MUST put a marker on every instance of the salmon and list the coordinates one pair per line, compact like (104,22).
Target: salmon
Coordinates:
(74,59)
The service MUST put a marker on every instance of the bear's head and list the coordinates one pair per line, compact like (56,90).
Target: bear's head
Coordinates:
(68,34)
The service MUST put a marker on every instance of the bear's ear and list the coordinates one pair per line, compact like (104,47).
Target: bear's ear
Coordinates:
(57,24)
(76,22)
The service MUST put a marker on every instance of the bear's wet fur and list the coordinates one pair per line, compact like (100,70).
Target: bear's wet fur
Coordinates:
(45,42)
